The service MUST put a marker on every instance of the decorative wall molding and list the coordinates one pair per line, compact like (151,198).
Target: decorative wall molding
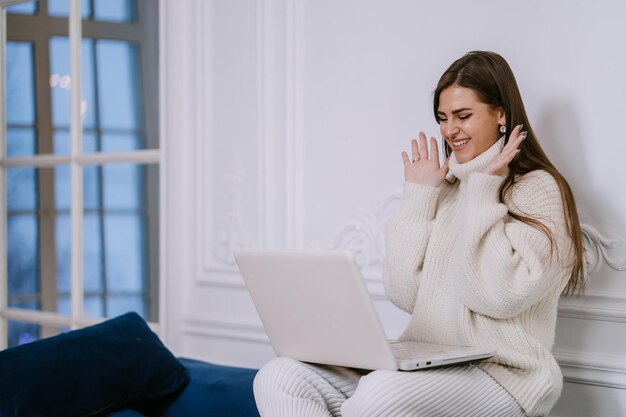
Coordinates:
(184,105)
(365,236)
(292,124)
(596,246)
(278,172)
(232,234)
(216,244)
(599,307)
(230,330)
(221,277)
(583,368)
(212,246)
(592,369)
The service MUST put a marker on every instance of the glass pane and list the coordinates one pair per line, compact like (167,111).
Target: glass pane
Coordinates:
(61,82)
(92,180)
(92,187)
(62,184)
(64,305)
(64,253)
(23,8)
(124,186)
(92,253)
(20,84)
(92,244)
(22,260)
(119,86)
(94,306)
(115,10)
(61,142)
(21,332)
(121,142)
(90,142)
(37,240)
(117,305)
(121,239)
(125,246)
(61,8)
(21,188)
(21,142)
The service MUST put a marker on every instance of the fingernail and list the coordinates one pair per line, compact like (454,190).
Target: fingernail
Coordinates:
(524,134)
(521,126)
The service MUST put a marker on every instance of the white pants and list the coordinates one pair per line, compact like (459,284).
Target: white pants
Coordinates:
(288,388)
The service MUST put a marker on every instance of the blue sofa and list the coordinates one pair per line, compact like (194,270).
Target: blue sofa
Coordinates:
(118,368)
(213,391)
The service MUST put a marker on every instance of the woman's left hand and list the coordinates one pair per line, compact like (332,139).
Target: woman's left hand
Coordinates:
(499,164)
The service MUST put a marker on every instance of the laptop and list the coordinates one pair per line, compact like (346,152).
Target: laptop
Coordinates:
(315,307)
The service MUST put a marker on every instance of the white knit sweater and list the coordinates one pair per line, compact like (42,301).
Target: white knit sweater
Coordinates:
(471,274)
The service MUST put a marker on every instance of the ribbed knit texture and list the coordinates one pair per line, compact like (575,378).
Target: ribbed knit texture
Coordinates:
(471,274)
(287,388)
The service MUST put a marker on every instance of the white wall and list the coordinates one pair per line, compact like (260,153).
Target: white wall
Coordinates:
(284,121)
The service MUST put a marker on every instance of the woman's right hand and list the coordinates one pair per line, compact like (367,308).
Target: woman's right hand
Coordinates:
(424,167)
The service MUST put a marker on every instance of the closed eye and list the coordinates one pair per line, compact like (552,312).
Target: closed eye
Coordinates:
(463,117)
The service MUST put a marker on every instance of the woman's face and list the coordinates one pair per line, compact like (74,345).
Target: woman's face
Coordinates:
(468,125)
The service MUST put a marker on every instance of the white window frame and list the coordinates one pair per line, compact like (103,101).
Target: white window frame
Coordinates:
(76,160)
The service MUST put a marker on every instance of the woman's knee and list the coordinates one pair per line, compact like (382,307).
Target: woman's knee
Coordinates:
(373,395)
(279,374)
(284,385)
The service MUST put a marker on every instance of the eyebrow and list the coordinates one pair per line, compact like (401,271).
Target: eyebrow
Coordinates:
(457,111)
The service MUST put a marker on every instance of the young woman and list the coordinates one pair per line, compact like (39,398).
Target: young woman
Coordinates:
(482,248)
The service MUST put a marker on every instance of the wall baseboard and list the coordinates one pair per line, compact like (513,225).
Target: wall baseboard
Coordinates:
(580,368)
(592,369)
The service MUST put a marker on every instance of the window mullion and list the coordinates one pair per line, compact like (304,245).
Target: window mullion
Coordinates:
(3,202)
(99,181)
(148,11)
(46,184)
(76,171)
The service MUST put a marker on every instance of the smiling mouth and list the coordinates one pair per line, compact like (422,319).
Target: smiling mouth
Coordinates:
(459,143)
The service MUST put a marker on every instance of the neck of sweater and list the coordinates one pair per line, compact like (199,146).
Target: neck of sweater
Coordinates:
(462,171)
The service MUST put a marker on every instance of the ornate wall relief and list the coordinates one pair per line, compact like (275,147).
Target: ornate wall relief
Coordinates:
(365,237)
(596,246)
(232,234)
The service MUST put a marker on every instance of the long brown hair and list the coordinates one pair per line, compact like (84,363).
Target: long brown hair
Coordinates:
(491,78)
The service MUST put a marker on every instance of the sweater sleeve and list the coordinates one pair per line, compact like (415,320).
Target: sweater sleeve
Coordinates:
(508,265)
(407,237)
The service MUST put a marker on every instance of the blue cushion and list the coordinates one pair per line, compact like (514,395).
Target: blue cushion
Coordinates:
(86,372)
(126,413)
(213,391)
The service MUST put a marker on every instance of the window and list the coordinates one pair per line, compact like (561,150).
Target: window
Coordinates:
(80,165)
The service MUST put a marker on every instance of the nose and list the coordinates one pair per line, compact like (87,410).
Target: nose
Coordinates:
(451,128)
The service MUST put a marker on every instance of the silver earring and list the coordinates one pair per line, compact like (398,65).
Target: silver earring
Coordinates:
(502,129)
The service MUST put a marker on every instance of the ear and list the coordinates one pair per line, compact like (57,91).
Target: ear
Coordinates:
(501,116)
